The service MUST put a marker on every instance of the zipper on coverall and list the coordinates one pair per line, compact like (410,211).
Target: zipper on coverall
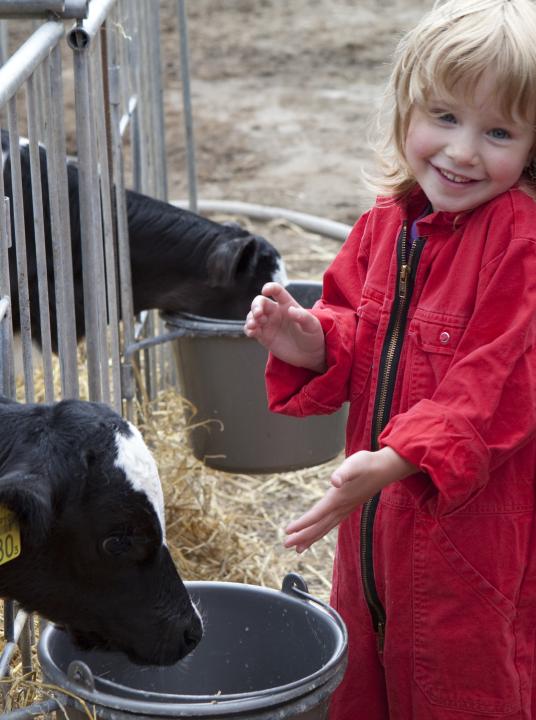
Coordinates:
(382,406)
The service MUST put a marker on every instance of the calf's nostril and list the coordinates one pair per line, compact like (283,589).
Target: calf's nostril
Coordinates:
(191,637)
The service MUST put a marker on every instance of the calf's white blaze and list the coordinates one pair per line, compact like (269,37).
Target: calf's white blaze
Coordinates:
(139,466)
(280,275)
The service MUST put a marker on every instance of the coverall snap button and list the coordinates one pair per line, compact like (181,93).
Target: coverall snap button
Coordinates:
(444,338)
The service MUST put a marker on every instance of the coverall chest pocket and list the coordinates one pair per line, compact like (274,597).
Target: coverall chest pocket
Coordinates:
(368,318)
(432,344)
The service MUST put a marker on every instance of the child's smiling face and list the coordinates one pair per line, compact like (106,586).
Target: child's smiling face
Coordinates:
(464,153)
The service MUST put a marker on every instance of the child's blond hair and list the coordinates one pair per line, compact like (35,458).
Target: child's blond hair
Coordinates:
(447,53)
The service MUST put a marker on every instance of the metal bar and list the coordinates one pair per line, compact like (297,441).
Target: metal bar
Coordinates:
(5,344)
(108,214)
(3,42)
(39,239)
(20,621)
(154,103)
(137,123)
(5,347)
(65,9)
(146,154)
(135,347)
(321,226)
(122,55)
(26,640)
(99,290)
(39,80)
(20,242)
(127,116)
(88,220)
(42,708)
(4,307)
(144,81)
(9,620)
(25,60)
(81,35)
(187,104)
(158,136)
(60,228)
(7,370)
(123,246)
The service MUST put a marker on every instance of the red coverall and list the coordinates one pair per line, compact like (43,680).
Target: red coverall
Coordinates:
(438,362)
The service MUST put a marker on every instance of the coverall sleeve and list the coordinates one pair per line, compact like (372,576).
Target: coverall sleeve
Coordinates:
(297,391)
(484,409)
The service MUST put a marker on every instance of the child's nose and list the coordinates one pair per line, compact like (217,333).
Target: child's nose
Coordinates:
(463,150)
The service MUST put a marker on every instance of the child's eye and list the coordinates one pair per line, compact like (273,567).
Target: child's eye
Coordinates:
(499,134)
(443,116)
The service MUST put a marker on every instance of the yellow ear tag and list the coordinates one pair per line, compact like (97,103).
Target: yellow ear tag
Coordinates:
(10,546)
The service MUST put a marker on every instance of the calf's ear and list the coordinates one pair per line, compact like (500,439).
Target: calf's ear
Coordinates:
(229,259)
(28,496)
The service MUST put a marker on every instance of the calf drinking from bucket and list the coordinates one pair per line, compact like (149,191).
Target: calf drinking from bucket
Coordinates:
(87,501)
(180,261)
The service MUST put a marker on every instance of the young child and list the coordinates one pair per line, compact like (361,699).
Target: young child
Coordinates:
(427,327)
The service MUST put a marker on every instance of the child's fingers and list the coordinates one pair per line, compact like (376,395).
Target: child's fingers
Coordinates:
(261,309)
(250,326)
(261,306)
(351,468)
(304,318)
(305,538)
(337,480)
(279,294)
(342,475)
(314,515)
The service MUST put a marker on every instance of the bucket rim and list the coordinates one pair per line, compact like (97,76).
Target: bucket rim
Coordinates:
(199,323)
(207,705)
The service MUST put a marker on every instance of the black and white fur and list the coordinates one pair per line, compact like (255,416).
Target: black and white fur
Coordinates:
(86,492)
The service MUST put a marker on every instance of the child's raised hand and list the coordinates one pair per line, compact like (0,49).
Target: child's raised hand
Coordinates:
(286,329)
(359,477)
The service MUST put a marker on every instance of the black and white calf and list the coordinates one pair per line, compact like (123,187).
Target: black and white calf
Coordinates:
(86,494)
(180,261)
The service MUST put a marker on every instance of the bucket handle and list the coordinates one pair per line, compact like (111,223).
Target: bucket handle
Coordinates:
(294,584)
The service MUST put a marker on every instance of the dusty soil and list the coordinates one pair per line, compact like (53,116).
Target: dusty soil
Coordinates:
(283,96)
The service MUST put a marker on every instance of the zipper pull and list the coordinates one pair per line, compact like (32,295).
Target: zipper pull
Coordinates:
(405,271)
(380,637)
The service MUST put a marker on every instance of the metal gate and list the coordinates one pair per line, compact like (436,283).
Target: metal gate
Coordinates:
(105,54)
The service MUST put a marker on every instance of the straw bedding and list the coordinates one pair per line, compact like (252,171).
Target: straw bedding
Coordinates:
(229,527)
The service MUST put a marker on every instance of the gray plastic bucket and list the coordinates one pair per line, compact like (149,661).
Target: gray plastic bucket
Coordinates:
(221,372)
(265,655)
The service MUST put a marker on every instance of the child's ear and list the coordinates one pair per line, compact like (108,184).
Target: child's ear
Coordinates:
(28,496)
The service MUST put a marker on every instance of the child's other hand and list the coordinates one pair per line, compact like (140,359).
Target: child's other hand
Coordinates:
(359,477)
(286,329)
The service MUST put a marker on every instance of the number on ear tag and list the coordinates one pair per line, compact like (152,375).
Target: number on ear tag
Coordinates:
(10,546)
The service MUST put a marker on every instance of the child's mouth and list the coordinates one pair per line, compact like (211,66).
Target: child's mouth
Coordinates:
(454,178)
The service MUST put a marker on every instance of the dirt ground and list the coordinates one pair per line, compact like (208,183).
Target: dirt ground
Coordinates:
(283,98)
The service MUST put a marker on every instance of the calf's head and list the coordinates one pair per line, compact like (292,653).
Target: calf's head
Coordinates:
(183,262)
(86,493)
(237,269)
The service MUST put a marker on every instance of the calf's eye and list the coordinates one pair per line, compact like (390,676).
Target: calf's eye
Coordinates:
(117,545)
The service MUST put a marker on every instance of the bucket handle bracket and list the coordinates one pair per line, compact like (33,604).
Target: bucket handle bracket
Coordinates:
(292,582)
(81,674)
